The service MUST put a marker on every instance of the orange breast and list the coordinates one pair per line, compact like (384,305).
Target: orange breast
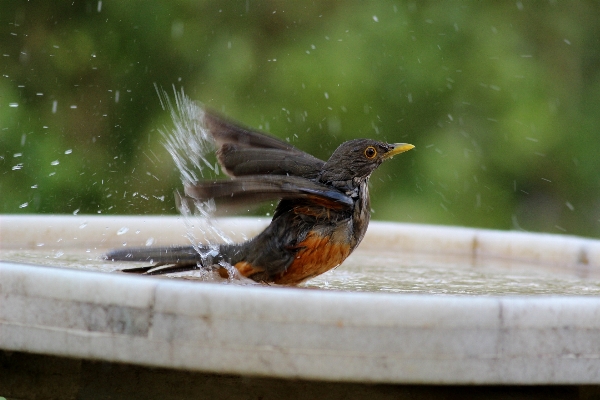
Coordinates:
(317,255)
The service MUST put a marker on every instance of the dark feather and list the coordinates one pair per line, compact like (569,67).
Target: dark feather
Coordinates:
(240,161)
(243,151)
(160,269)
(226,132)
(171,254)
(268,187)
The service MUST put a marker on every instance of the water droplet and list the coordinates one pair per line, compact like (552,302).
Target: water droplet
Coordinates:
(74,212)
(375,18)
(68,151)
(13,105)
(122,231)
(55,162)
(17,167)
(212,253)
(150,241)
(83,225)
(177,29)
(54,106)
(23,205)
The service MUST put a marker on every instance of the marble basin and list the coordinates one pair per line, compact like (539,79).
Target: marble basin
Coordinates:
(58,298)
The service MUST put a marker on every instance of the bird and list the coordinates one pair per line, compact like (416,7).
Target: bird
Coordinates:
(322,214)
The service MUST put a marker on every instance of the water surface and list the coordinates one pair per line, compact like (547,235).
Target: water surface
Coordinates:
(368,272)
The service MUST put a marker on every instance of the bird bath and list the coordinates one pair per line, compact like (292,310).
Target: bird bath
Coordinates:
(415,304)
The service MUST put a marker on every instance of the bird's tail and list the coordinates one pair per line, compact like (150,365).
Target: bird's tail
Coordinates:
(176,258)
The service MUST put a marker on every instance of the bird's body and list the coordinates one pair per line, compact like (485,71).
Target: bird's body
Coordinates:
(322,216)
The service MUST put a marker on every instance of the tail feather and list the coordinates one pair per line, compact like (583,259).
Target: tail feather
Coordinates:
(173,259)
(162,270)
(157,255)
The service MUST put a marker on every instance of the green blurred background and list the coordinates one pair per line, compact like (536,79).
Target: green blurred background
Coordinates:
(501,99)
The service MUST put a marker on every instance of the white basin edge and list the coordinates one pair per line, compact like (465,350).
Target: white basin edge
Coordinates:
(300,333)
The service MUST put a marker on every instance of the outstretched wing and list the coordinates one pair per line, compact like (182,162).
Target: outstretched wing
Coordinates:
(242,151)
(224,132)
(259,188)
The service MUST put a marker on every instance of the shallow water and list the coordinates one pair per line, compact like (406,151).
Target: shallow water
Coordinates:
(366,272)
(363,273)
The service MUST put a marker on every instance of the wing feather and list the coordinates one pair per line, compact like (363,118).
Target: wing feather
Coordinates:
(261,188)
(243,151)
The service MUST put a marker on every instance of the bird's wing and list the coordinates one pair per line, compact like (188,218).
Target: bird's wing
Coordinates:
(260,188)
(242,161)
(242,151)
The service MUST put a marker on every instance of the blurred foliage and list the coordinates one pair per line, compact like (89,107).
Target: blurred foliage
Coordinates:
(502,101)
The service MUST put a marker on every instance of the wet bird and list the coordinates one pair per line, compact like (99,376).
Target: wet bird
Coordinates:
(322,215)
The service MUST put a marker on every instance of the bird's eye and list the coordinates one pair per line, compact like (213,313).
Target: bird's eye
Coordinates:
(370,152)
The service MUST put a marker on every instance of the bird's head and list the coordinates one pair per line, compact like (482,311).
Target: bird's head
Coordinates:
(359,158)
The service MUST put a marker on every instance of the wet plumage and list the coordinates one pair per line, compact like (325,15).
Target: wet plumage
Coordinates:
(322,215)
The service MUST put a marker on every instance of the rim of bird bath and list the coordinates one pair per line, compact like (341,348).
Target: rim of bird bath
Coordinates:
(298,333)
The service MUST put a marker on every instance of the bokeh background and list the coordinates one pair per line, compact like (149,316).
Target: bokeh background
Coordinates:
(501,99)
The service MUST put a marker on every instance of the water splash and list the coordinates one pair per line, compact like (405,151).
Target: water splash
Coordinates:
(188,142)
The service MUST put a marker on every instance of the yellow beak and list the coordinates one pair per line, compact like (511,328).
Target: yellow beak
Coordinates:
(398,148)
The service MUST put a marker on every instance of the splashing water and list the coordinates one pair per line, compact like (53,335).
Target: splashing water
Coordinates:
(188,142)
